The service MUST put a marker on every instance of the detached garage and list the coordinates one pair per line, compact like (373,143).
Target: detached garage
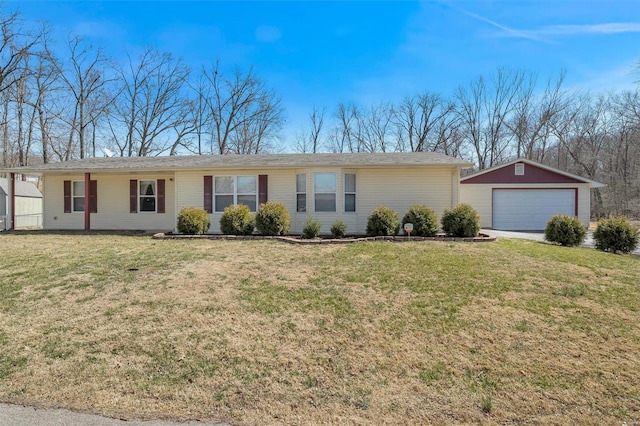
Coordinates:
(522,195)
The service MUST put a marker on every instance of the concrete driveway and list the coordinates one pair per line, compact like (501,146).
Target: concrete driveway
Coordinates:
(538,236)
(18,415)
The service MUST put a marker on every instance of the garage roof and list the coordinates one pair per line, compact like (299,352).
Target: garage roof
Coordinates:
(535,173)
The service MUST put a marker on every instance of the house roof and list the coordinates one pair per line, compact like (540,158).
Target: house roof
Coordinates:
(567,177)
(23,189)
(257,161)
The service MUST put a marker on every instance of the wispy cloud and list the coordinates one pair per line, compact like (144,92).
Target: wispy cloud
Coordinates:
(544,34)
(508,31)
(601,29)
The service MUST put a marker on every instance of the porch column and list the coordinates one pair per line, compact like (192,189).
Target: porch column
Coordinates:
(12,200)
(87,205)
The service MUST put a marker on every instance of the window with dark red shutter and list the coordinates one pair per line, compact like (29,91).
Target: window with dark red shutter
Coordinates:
(208,194)
(160,196)
(263,191)
(93,196)
(133,196)
(67,196)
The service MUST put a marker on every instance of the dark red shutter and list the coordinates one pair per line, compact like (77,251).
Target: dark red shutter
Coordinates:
(93,196)
(208,194)
(67,196)
(160,206)
(263,192)
(133,196)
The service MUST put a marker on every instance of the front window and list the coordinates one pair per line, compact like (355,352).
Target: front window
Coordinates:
(78,196)
(231,190)
(301,193)
(147,195)
(324,188)
(349,192)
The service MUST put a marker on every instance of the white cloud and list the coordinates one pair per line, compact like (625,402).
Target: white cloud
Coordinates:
(508,31)
(608,28)
(268,34)
(544,33)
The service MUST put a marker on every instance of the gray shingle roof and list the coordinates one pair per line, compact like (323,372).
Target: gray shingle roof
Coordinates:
(23,189)
(259,161)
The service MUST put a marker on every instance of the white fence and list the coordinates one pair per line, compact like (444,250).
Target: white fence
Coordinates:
(23,221)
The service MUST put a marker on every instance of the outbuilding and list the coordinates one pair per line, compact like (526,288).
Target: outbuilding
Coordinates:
(522,195)
(28,208)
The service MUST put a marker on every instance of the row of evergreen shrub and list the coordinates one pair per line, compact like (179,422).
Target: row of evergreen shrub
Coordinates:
(614,235)
(460,221)
(273,218)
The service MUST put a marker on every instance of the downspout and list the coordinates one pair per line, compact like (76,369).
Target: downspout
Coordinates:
(12,198)
(87,204)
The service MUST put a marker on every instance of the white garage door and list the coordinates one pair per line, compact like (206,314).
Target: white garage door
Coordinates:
(530,209)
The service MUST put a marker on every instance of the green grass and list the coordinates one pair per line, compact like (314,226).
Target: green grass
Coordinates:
(261,332)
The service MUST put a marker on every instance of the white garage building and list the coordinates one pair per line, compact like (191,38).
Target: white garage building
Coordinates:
(522,195)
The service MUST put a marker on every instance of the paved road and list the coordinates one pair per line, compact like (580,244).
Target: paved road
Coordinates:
(538,236)
(18,415)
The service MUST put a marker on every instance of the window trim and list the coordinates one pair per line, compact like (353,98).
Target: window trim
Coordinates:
(315,193)
(354,192)
(519,169)
(298,193)
(235,193)
(74,196)
(155,196)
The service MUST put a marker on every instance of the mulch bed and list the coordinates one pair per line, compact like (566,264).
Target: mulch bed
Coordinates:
(294,239)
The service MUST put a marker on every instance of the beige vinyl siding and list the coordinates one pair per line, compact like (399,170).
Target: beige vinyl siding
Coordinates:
(437,187)
(113,204)
(190,189)
(399,189)
(480,197)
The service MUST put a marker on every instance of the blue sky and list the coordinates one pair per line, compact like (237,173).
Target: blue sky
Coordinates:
(322,53)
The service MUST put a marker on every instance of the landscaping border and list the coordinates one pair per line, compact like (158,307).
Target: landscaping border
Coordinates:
(291,239)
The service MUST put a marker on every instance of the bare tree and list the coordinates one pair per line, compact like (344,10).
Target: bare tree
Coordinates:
(417,117)
(85,79)
(245,115)
(484,107)
(16,46)
(152,110)
(310,140)
(531,122)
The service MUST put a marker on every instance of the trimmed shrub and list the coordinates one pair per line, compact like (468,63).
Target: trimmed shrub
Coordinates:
(382,221)
(193,221)
(273,218)
(311,229)
(424,220)
(461,221)
(565,230)
(339,229)
(236,220)
(616,235)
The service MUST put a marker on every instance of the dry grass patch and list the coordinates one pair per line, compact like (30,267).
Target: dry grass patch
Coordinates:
(260,332)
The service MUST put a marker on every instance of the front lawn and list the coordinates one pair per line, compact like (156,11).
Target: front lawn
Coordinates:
(262,332)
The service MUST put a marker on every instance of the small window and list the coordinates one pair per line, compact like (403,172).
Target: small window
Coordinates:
(301,193)
(78,196)
(519,169)
(231,190)
(147,195)
(349,192)
(324,188)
